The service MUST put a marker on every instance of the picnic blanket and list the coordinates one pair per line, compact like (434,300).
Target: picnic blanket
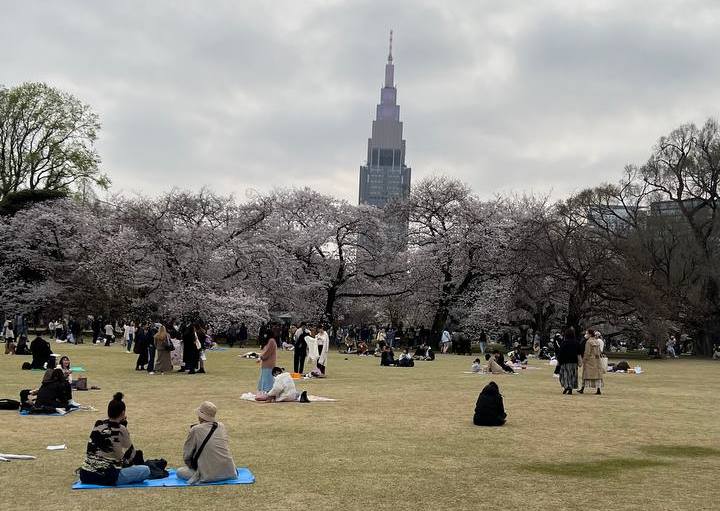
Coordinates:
(10,457)
(250,396)
(26,413)
(244,476)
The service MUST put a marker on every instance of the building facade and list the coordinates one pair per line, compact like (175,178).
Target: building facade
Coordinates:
(385,176)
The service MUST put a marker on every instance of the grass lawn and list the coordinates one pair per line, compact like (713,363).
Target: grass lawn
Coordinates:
(396,439)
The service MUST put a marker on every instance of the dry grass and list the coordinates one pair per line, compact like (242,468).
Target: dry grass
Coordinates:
(397,439)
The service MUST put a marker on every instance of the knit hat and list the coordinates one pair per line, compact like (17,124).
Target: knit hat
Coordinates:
(206,411)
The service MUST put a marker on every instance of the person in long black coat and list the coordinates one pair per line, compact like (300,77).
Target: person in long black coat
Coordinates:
(191,353)
(300,351)
(489,409)
(140,347)
(41,352)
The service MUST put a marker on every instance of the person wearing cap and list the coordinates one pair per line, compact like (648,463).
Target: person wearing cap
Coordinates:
(210,463)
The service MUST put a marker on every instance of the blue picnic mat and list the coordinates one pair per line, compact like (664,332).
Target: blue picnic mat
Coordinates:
(244,476)
(28,414)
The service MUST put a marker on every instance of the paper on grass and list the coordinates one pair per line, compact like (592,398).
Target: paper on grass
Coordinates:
(59,447)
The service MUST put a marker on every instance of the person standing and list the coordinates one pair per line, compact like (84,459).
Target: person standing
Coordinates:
(242,335)
(445,341)
(301,348)
(163,364)
(9,337)
(591,364)
(483,341)
(267,361)
(323,342)
(129,335)
(569,358)
(151,331)
(312,351)
(232,334)
(141,347)
(109,333)
(191,350)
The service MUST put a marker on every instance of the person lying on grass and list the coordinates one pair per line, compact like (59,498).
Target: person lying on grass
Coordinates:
(110,455)
(206,451)
(489,408)
(283,389)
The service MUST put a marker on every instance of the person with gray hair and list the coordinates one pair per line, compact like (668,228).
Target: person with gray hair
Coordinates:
(206,451)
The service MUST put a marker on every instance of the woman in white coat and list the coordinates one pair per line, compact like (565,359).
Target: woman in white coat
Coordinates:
(312,352)
(323,341)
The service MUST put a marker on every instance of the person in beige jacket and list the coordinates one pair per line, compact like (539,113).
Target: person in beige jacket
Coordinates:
(215,462)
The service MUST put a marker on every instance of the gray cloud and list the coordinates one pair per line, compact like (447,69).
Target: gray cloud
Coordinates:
(511,96)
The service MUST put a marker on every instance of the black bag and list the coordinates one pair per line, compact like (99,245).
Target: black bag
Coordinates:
(168,345)
(9,404)
(557,369)
(196,455)
(157,468)
(26,366)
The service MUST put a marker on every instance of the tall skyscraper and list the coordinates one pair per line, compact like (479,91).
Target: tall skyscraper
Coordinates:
(385,177)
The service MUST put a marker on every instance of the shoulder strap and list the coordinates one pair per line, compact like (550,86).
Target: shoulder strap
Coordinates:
(197,454)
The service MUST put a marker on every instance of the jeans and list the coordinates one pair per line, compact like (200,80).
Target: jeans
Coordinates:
(133,474)
(129,343)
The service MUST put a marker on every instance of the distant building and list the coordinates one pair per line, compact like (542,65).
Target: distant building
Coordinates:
(672,208)
(385,176)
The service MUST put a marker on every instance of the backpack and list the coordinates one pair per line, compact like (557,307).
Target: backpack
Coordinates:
(9,404)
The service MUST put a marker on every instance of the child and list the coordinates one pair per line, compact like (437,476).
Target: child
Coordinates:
(476,366)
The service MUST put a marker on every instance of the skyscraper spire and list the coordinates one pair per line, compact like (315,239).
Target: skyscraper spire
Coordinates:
(390,50)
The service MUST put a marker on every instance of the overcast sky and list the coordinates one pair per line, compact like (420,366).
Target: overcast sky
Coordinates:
(238,95)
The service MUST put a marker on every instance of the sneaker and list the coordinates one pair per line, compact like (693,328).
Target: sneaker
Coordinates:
(151,373)
(201,371)
(304,397)
(60,411)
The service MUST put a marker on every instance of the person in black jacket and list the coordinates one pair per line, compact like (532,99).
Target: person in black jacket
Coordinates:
(387,357)
(41,352)
(300,351)
(55,391)
(191,352)
(140,347)
(489,409)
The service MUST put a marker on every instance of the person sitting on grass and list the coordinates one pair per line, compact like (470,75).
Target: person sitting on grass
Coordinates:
(501,362)
(283,389)
(489,408)
(110,453)
(405,359)
(476,366)
(22,346)
(429,354)
(387,357)
(492,366)
(54,394)
(41,354)
(207,451)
